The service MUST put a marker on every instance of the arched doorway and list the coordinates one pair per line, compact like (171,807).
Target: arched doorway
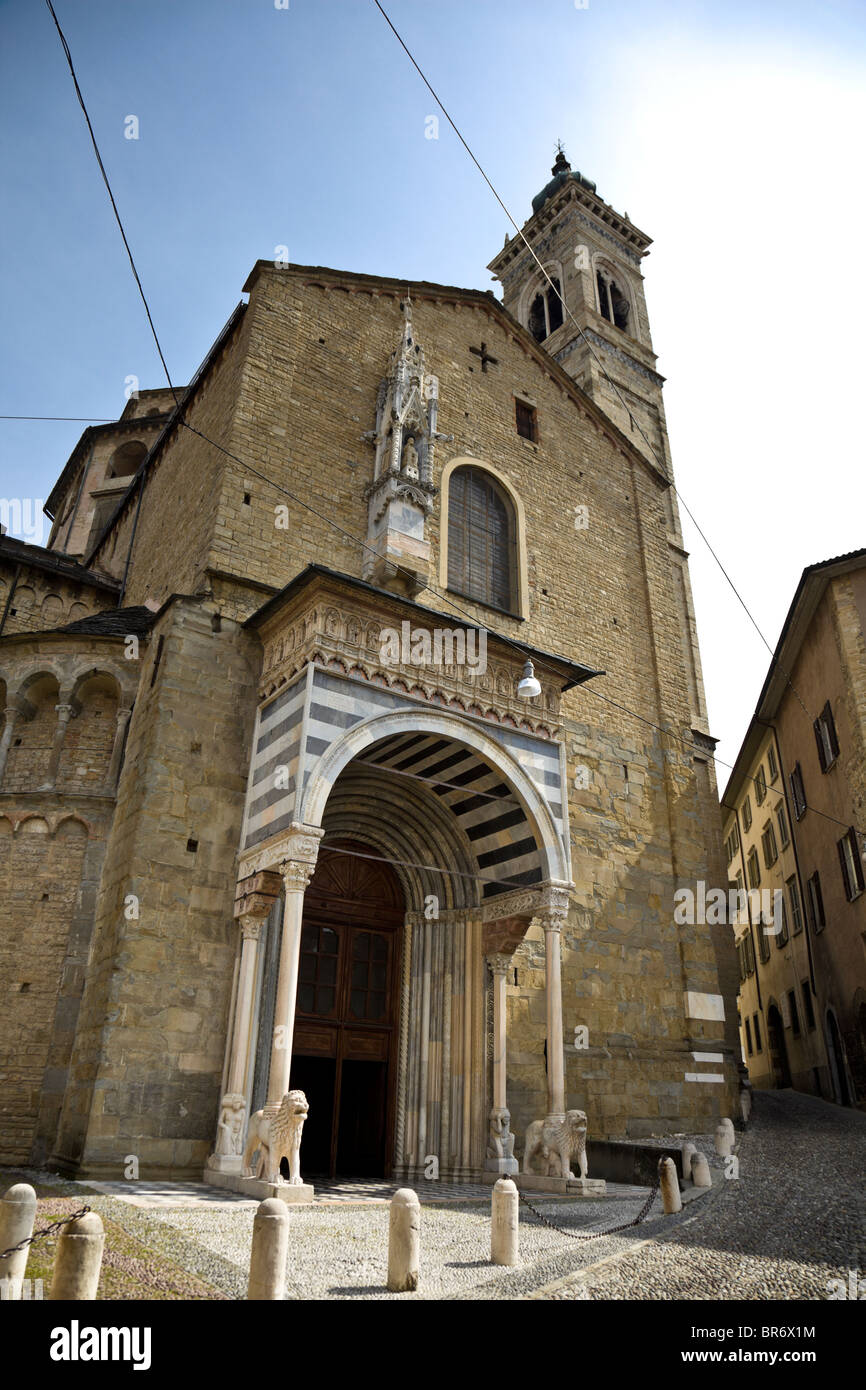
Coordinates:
(345,1042)
(778,1050)
(837,1061)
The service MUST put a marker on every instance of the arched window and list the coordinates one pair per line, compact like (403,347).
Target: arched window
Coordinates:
(482,535)
(613,305)
(126,459)
(545,311)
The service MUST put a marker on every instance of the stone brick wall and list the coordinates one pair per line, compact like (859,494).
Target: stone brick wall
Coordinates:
(292,391)
(47,866)
(150,1046)
(831,665)
(41,599)
(182,493)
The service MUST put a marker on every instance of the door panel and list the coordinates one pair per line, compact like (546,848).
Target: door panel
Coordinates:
(347,1010)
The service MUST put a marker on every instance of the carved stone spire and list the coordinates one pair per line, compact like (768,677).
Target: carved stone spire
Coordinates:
(400,497)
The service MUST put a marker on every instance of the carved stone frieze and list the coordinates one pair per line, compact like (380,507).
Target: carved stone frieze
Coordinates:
(345,637)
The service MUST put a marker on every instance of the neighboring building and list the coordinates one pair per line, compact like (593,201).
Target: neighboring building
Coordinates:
(794,820)
(219,704)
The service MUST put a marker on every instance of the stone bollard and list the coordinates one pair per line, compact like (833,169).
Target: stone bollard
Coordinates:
(688,1153)
(724,1140)
(17,1214)
(729,1125)
(268,1255)
(78,1260)
(404,1241)
(671,1200)
(701,1171)
(504,1225)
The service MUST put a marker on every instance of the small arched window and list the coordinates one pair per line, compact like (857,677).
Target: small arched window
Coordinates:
(545,311)
(482,536)
(613,305)
(126,459)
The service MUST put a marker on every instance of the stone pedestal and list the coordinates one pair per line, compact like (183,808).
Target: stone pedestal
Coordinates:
(565,1187)
(299,1194)
(500,1168)
(223,1163)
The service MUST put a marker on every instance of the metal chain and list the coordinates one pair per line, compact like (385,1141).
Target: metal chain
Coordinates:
(592,1235)
(46,1231)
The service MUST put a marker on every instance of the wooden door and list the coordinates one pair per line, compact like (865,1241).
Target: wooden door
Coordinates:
(345,1045)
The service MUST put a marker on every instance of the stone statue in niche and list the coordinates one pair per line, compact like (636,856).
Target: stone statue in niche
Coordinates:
(230,1128)
(500,1140)
(409,465)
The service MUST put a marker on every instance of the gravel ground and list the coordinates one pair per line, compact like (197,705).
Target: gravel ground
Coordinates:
(794,1219)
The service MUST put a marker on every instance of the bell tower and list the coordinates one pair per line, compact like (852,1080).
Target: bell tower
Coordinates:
(593,255)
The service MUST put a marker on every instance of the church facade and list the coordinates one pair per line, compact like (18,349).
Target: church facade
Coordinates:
(355,738)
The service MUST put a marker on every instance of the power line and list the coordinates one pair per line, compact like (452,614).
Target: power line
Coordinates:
(111,196)
(75,419)
(329,520)
(431,868)
(660,464)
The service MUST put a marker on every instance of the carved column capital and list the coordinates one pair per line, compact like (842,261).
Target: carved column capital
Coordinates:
(123,717)
(499,963)
(251,927)
(552,908)
(64,712)
(300,843)
(296,874)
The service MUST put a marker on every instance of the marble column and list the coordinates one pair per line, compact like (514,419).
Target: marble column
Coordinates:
(64,714)
(500,1141)
(498,965)
(13,713)
(552,920)
(113,773)
(233,1106)
(296,876)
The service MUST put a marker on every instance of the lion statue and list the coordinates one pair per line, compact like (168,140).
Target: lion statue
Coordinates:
(276,1132)
(559,1138)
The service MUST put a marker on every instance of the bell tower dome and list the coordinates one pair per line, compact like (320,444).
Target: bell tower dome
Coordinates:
(593,256)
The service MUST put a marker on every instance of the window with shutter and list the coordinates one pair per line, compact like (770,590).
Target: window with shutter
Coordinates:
(816,902)
(481,540)
(852,864)
(757,1033)
(798,793)
(825,737)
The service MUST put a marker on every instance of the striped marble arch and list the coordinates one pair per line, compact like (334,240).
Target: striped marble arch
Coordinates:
(504,787)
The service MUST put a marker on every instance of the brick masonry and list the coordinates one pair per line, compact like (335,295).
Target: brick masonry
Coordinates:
(291,388)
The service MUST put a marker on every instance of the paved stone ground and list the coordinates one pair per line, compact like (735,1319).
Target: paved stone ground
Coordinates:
(795,1218)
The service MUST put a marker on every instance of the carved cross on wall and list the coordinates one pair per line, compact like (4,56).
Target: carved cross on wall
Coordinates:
(485,356)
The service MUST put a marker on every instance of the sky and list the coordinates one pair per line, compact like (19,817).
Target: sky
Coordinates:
(732,133)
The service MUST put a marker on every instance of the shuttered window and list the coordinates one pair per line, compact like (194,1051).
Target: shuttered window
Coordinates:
(825,737)
(852,866)
(481,540)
